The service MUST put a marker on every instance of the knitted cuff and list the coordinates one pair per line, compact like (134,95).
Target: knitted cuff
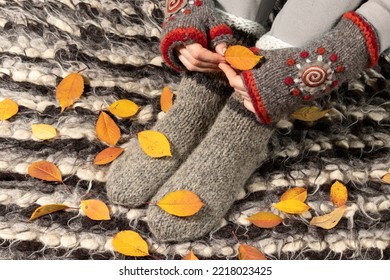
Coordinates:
(289,77)
(188,22)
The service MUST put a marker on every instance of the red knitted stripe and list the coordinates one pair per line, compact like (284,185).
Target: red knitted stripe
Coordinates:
(183,35)
(254,94)
(369,34)
(219,30)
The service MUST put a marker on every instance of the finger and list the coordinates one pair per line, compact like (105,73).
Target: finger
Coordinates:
(221,48)
(244,95)
(192,67)
(235,80)
(204,55)
(195,62)
(249,106)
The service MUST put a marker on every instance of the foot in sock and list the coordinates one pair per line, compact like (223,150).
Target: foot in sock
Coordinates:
(216,170)
(135,177)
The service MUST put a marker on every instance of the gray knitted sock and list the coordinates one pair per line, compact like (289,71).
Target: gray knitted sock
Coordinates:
(135,177)
(216,171)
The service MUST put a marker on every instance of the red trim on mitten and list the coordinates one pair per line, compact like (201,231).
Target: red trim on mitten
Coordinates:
(219,30)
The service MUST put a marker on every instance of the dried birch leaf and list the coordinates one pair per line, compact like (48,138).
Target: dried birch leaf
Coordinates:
(338,194)
(309,114)
(297,193)
(241,57)
(154,144)
(124,108)
(8,108)
(130,243)
(107,130)
(95,209)
(182,203)
(43,131)
(45,170)
(265,220)
(69,90)
(386,178)
(108,155)
(292,206)
(246,252)
(190,257)
(47,209)
(166,99)
(330,220)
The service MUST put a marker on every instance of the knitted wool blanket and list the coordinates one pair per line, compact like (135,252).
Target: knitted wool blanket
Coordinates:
(117,43)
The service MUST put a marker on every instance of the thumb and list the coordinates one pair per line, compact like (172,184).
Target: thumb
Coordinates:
(221,48)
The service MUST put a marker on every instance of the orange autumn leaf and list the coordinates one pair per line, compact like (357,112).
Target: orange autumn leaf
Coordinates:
(190,257)
(338,194)
(246,252)
(265,220)
(124,108)
(166,99)
(330,220)
(45,170)
(386,178)
(292,206)
(130,243)
(47,209)
(108,155)
(95,209)
(8,108)
(69,90)
(182,203)
(309,114)
(43,131)
(297,193)
(107,130)
(241,57)
(154,143)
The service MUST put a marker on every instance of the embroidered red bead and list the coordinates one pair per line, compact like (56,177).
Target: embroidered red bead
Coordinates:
(296,92)
(289,81)
(340,68)
(198,3)
(334,57)
(304,54)
(321,51)
(291,61)
(307,97)
(335,84)
(187,11)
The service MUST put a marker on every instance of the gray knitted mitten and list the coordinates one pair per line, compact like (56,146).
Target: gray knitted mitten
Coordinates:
(191,21)
(216,171)
(135,177)
(289,77)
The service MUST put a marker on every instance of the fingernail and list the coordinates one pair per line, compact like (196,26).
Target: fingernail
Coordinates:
(223,51)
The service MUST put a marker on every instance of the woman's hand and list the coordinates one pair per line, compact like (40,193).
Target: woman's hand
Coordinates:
(196,58)
(237,83)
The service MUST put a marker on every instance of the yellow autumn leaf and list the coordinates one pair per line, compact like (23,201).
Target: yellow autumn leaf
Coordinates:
(386,178)
(108,155)
(241,57)
(297,193)
(8,108)
(154,143)
(265,220)
(292,206)
(309,114)
(123,108)
(246,252)
(338,194)
(95,209)
(47,209)
(166,99)
(107,130)
(45,170)
(190,257)
(130,243)
(43,131)
(69,90)
(182,203)
(330,220)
